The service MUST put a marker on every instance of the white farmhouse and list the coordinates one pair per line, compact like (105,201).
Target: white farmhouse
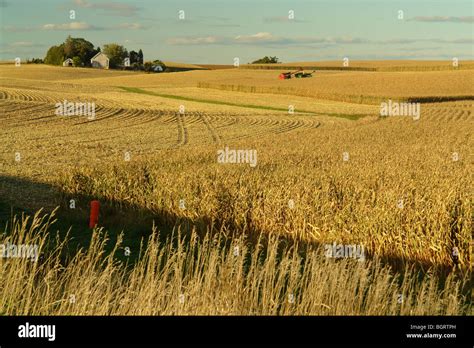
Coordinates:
(100,60)
(68,62)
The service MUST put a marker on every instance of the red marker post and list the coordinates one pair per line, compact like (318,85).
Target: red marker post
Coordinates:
(94,217)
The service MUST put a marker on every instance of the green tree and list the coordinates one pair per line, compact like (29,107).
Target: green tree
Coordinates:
(69,49)
(116,54)
(84,50)
(140,57)
(72,47)
(266,60)
(34,61)
(148,66)
(55,55)
(77,61)
(133,57)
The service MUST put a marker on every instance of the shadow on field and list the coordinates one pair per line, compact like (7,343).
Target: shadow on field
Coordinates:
(21,196)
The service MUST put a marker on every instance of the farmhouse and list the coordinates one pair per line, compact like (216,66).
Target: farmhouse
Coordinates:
(100,60)
(68,62)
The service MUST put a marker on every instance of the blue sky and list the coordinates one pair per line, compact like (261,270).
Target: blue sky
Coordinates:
(217,31)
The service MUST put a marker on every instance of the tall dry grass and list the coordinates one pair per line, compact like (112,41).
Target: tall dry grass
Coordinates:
(189,276)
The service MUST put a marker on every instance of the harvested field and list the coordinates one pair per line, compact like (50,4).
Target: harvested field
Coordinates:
(331,172)
(370,65)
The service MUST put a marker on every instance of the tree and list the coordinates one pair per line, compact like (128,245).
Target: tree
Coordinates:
(69,49)
(72,47)
(55,55)
(77,61)
(84,50)
(266,60)
(148,66)
(34,61)
(116,54)
(140,56)
(133,57)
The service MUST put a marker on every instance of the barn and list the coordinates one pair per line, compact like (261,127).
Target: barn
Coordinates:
(100,60)
(68,62)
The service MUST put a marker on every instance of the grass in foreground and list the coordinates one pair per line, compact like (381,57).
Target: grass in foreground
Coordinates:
(209,275)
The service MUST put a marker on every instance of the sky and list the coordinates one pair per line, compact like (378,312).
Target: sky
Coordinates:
(217,31)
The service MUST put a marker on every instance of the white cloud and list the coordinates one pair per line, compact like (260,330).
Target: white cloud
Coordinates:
(131,26)
(69,26)
(263,38)
(283,19)
(78,26)
(112,8)
(194,40)
(450,19)
(268,39)
(255,38)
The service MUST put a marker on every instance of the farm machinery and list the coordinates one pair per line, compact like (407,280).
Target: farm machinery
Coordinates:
(296,74)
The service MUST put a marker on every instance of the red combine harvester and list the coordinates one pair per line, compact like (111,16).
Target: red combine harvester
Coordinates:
(297,74)
(285,76)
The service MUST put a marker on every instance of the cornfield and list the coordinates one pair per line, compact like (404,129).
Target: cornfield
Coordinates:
(204,237)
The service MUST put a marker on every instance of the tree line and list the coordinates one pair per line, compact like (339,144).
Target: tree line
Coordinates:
(81,51)
(266,60)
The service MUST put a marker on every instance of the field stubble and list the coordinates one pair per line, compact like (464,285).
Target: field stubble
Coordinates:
(300,158)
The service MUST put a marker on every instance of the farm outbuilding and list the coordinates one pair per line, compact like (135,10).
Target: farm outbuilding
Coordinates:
(68,62)
(100,60)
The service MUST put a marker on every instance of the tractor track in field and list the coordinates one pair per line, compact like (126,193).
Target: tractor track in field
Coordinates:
(289,126)
(169,119)
(213,122)
(443,113)
(215,137)
(135,118)
(192,118)
(109,114)
(296,125)
(19,120)
(141,118)
(16,109)
(182,131)
(116,121)
(26,95)
(221,121)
